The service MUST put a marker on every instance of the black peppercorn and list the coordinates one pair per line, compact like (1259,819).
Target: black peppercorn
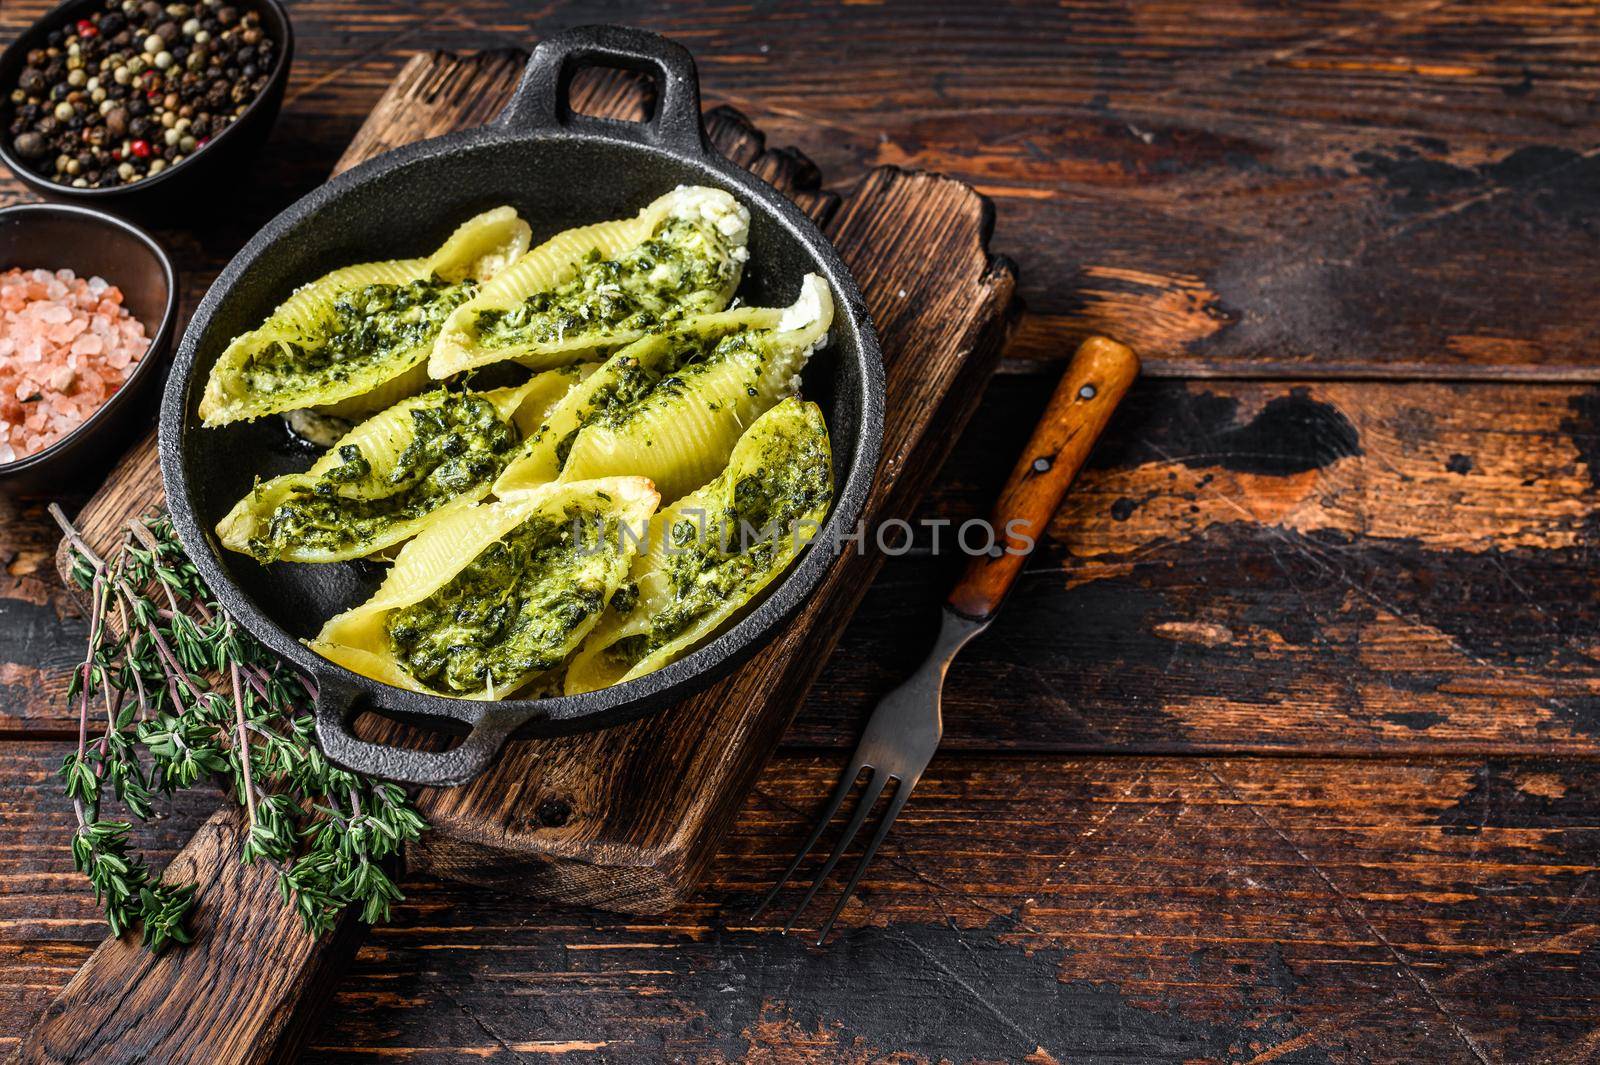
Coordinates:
(78,135)
(31,146)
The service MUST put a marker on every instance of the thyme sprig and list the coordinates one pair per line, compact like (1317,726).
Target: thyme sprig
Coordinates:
(188,696)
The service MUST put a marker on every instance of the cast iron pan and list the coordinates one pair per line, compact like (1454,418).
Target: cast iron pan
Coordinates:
(559,169)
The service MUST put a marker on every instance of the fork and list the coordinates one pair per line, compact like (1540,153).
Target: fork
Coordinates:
(904,729)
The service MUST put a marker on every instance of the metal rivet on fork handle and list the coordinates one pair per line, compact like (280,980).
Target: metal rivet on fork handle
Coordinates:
(904,730)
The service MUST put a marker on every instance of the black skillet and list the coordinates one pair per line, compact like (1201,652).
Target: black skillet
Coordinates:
(559,168)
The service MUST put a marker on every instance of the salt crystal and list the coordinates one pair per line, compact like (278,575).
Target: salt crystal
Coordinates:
(66,343)
(68,331)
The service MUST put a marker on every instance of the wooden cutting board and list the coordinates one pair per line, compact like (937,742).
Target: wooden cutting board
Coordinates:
(625,818)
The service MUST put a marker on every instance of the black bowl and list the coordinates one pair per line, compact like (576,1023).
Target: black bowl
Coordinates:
(176,187)
(559,169)
(55,236)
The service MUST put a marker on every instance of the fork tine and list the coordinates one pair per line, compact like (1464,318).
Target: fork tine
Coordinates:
(847,780)
(901,794)
(864,805)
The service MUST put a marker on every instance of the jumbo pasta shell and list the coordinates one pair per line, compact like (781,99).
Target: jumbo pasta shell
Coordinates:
(380,483)
(337,342)
(487,599)
(687,396)
(713,551)
(602,285)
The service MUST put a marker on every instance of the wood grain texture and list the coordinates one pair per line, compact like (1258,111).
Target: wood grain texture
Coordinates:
(1314,568)
(1370,192)
(1080,406)
(915,244)
(942,305)
(1229,188)
(1352,568)
(1102,910)
(245,991)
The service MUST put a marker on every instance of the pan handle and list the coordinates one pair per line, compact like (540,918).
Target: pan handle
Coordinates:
(335,703)
(542,99)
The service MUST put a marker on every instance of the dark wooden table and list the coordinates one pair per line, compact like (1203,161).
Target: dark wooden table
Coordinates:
(1286,747)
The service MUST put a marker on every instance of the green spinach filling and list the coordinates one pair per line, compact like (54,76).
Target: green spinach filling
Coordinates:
(634,385)
(722,556)
(459,442)
(365,327)
(681,270)
(511,611)
(677,374)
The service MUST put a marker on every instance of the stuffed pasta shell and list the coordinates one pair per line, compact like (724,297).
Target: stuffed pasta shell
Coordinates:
(602,285)
(378,484)
(357,339)
(488,598)
(714,550)
(671,406)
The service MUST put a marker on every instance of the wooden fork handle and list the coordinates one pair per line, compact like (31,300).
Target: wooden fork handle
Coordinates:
(1095,382)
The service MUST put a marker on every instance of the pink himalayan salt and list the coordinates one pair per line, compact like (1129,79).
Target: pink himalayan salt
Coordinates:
(66,344)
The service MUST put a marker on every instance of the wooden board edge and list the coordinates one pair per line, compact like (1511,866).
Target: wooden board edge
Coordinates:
(124,1004)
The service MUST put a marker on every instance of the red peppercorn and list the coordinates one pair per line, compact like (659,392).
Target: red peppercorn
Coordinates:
(87,28)
(141,149)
